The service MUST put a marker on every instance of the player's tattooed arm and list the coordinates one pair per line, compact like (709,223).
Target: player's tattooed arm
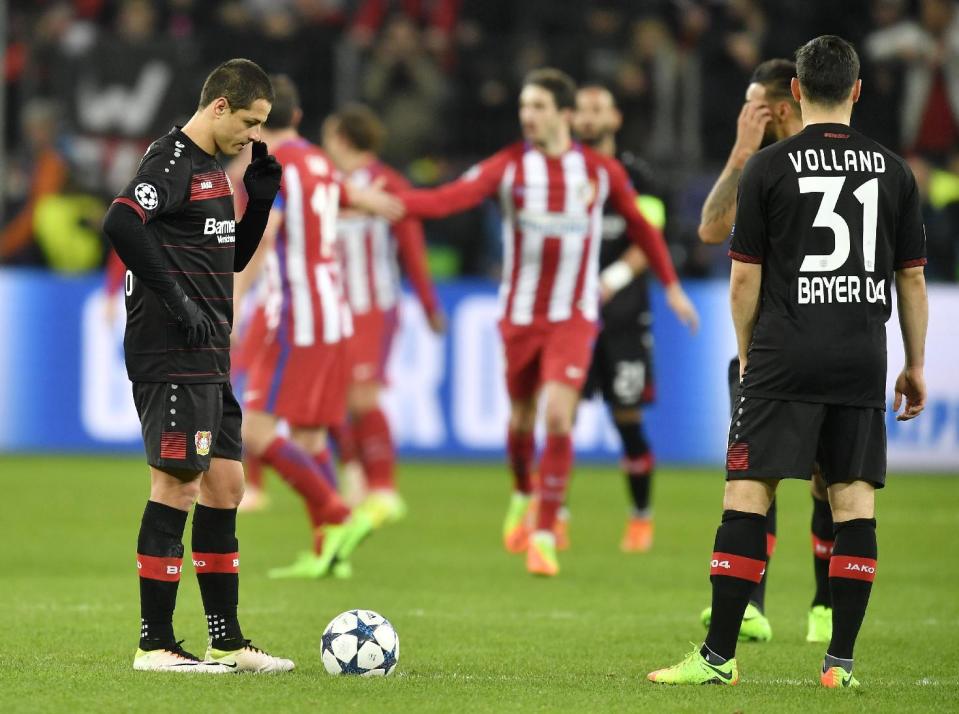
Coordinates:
(719,210)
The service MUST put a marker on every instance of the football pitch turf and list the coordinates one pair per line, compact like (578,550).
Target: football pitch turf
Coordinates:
(477,632)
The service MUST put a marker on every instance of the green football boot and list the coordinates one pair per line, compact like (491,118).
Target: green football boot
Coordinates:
(755,627)
(837,678)
(339,542)
(820,624)
(694,669)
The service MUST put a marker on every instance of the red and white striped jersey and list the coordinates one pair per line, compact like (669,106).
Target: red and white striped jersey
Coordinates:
(303,296)
(369,253)
(552,212)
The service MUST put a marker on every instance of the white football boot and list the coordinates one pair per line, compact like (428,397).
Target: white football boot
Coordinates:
(248,659)
(175,659)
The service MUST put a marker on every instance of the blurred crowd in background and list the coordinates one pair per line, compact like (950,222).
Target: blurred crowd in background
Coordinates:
(89,83)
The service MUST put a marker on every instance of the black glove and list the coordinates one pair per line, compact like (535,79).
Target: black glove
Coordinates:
(191,319)
(262,177)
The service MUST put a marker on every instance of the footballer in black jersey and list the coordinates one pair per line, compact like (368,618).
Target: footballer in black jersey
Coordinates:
(185,201)
(175,231)
(622,365)
(825,221)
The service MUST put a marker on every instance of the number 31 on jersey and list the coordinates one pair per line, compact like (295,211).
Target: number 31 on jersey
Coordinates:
(841,288)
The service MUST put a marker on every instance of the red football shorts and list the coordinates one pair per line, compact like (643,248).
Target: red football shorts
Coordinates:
(551,352)
(369,348)
(304,385)
(250,342)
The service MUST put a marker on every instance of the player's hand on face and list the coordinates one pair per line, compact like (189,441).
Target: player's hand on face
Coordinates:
(263,175)
(682,307)
(751,126)
(910,384)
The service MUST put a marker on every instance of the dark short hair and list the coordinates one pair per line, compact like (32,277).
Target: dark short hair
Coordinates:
(775,75)
(557,83)
(240,81)
(360,126)
(598,87)
(286,101)
(827,67)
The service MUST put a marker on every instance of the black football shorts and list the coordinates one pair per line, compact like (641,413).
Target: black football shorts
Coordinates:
(185,425)
(773,439)
(622,367)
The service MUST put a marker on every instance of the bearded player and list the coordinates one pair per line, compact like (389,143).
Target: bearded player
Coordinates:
(552,192)
(622,366)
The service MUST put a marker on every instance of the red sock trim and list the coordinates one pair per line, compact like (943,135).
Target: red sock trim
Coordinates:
(852,568)
(154,568)
(770,545)
(822,549)
(216,562)
(639,466)
(731,565)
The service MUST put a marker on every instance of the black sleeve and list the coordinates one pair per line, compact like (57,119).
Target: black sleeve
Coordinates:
(749,231)
(249,231)
(910,233)
(162,183)
(128,235)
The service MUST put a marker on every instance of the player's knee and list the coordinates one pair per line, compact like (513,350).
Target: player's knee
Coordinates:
(558,419)
(749,495)
(364,398)
(180,491)
(224,496)
(522,417)
(255,438)
(852,500)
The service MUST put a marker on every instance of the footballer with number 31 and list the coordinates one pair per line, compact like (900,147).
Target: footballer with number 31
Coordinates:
(825,220)
(174,228)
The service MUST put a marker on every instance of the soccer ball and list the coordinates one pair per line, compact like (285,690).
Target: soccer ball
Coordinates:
(360,642)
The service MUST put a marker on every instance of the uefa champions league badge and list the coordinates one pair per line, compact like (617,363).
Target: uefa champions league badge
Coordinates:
(146,196)
(202,440)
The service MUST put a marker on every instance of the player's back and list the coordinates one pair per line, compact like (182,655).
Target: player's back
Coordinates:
(830,214)
(310,301)
(367,249)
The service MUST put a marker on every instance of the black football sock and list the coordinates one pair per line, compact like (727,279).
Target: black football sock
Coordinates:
(638,465)
(738,561)
(159,562)
(217,563)
(852,569)
(822,542)
(758,596)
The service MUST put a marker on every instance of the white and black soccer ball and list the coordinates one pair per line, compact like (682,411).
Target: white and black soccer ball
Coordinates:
(360,642)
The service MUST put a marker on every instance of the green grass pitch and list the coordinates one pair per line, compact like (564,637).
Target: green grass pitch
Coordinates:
(478,633)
